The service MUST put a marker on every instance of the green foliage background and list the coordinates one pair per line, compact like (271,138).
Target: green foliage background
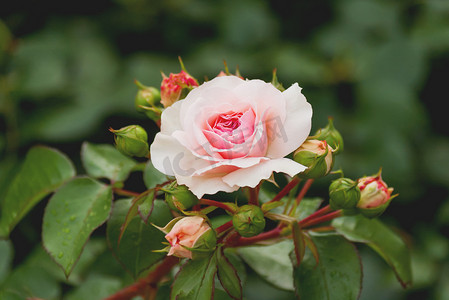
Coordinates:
(379,67)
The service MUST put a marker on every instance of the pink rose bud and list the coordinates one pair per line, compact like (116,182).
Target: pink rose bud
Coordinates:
(188,234)
(172,87)
(317,156)
(375,195)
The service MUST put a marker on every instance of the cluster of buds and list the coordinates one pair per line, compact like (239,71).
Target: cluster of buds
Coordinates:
(369,195)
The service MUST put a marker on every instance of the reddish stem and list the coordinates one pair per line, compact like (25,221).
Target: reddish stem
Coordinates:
(224,227)
(320,212)
(321,219)
(242,241)
(123,192)
(148,284)
(286,189)
(254,195)
(217,204)
(304,190)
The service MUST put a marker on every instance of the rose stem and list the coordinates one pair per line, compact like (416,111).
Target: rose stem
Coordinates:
(242,241)
(301,194)
(150,281)
(320,212)
(216,203)
(254,195)
(123,192)
(224,227)
(286,189)
(304,190)
(321,219)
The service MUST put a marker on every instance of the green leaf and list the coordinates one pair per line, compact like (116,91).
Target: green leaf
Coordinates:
(135,250)
(43,171)
(228,276)
(195,280)
(95,287)
(338,275)
(104,161)
(6,255)
(271,262)
(382,239)
(74,211)
(152,177)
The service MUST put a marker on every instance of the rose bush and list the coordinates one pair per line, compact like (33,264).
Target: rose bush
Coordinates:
(230,133)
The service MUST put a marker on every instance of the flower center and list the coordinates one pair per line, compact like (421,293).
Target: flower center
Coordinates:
(226,122)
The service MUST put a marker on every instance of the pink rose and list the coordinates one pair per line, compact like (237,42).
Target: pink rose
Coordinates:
(230,133)
(185,233)
(374,192)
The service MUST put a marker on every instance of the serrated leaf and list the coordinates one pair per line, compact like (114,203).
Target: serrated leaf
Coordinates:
(382,239)
(337,276)
(136,248)
(74,211)
(271,262)
(228,276)
(134,210)
(152,176)
(105,161)
(43,171)
(299,243)
(195,280)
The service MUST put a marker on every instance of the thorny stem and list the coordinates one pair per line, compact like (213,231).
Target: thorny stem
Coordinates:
(254,195)
(286,189)
(242,241)
(304,190)
(224,227)
(148,285)
(318,213)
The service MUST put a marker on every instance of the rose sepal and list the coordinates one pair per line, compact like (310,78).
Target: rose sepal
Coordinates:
(375,212)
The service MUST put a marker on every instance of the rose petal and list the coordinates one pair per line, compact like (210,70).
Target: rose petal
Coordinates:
(201,185)
(286,136)
(253,175)
(170,118)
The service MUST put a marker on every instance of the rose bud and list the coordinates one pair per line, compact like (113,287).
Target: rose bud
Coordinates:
(179,197)
(331,135)
(131,140)
(147,96)
(317,156)
(375,195)
(190,237)
(343,194)
(173,85)
(249,220)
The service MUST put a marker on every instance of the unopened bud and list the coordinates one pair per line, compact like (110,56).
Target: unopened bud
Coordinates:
(331,135)
(131,140)
(190,237)
(317,156)
(173,86)
(375,195)
(147,96)
(249,220)
(179,197)
(343,194)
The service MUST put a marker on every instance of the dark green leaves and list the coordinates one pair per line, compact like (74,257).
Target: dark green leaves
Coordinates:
(337,276)
(227,275)
(195,281)
(104,161)
(140,239)
(73,212)
(151,176)
(43,171)
(382,239)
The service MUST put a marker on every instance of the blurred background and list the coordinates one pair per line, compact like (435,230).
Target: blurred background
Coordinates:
(379,68)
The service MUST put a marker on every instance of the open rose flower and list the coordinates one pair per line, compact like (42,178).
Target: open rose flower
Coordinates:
(230,133)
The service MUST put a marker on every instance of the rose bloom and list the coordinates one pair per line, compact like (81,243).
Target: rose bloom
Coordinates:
(185,233)
(230,133)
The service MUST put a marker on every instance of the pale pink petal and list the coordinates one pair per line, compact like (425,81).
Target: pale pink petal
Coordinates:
(171,158)
(253,175)
(170,118)
(286,136)
(201,185)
